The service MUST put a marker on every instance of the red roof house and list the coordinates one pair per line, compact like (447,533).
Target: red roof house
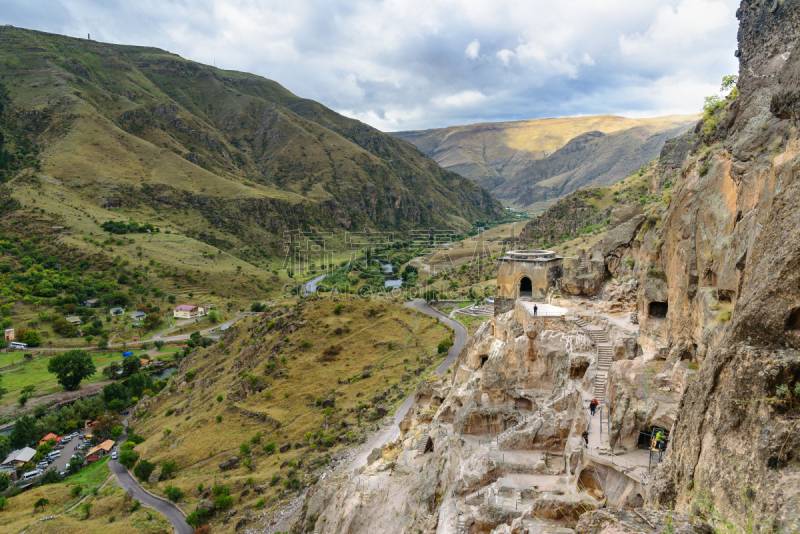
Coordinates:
(48,437)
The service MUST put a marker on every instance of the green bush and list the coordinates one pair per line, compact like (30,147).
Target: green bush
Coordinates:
(223,502)
(174,494)
(168,468)
(196,518)
(143,470)
(269,448)
(128,458)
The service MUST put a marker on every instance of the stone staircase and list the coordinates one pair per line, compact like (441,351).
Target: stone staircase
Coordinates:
(423,444)
(605,356)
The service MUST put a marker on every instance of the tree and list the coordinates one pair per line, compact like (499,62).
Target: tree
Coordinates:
(5,447)
(152,320)
(158,343)
(131,366)
(5,481)
(116,432)
(25,394)
(128,458)
(71,367)
(41,503)
(115,391)
(32,338)
(111,369)
(105,425)
(3,502)
(75,465)
(116,405)
(24,432)
(143,469)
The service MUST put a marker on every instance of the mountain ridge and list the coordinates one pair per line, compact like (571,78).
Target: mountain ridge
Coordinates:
(513,159)
(212,141)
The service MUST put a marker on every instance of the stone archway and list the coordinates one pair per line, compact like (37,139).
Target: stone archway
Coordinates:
(525,287)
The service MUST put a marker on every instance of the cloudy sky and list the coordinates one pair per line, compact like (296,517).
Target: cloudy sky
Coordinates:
(413,64)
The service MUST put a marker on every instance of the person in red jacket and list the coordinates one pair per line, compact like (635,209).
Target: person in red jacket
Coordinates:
(593,406)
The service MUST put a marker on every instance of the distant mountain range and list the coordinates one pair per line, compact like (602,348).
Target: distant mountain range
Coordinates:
(528,164)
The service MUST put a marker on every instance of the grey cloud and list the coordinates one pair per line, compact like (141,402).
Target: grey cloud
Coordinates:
(647,57)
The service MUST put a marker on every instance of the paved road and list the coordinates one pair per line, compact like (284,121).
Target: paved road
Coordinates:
(391,433)
(163,506)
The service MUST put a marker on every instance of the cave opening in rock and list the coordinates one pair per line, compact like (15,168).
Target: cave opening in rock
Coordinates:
(484,359)
(525,287)
(658,310)
(637,502)
(793,322)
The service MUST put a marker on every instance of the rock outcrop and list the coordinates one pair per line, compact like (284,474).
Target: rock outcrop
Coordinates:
(722,290)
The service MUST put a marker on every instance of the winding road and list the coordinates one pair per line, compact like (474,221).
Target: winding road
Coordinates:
(163,506)
(391,433)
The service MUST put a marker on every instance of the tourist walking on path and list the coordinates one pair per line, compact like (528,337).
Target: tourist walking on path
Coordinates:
(593,406)
(535,310)
(585,438)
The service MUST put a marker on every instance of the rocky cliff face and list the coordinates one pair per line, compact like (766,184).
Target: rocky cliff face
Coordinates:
(720,287)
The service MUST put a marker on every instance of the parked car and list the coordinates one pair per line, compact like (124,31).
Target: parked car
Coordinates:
(63,474)
(114,455)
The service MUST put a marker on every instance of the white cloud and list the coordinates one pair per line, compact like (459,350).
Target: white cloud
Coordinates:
(465,98)
(505,56)
(473,49)
(404,64)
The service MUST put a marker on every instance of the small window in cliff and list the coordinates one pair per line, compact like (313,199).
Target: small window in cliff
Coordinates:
(525,287)
(484,359)
(725,295)
(658,310)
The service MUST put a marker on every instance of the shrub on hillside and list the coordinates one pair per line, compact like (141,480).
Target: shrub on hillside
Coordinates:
(144,469)
(173,493)
(128,458)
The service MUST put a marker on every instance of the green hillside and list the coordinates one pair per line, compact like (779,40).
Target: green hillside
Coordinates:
(228,158)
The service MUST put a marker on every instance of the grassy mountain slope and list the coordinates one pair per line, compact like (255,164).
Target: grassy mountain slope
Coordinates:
(527,162)
(286,394)
(230,157)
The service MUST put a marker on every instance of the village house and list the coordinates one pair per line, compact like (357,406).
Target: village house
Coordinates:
(9,334)
(139,315)
(74,320)
(189,311)
(91,303)
(116,312)
(20,457)
(101,450)
(48,437)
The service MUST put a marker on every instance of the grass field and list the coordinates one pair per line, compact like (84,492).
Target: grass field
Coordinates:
(35,372)
(109,509)
(382,337)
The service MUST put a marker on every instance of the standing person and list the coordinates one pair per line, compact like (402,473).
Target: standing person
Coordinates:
(585,436)
(535,310)
(593,406)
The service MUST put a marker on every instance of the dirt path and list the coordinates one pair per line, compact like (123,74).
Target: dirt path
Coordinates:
(391,432)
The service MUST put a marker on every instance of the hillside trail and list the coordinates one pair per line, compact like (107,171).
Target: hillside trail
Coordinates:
(391,432)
